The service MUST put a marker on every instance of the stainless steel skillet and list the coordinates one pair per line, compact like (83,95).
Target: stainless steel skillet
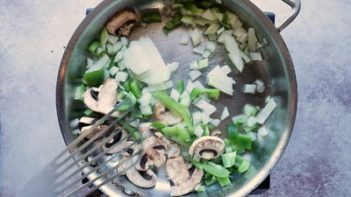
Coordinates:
(277,71)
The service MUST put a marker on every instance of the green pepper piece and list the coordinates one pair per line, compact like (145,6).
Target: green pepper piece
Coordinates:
(151,16)
(135,88)
(201,188)
(131,130)
(95,78)
(179,132)
(241,141)
(224,181)
(209,179)
(193,8)
(216,170)
(241,164)
(212,93)
(180,86)
(126,85)
(175,22)
(228,159)
(93,47)
(176,108)
(158,125)
(127,103)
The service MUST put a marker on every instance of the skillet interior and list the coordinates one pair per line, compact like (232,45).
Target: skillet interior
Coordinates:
(276,70)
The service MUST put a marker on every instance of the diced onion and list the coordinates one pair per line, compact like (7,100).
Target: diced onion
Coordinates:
(175,94)
(145,98)
(173,67)
(225,114)
(113,70)
(196,37)
(121,76)
(159,87)
(198,131)
(206,107)
(215,122)
(260,87)
(185,98)
(184,39)
(146,109)
(189,86)
(197,117)
(262,133)
(194,74)
(249,88)
(263,115)
(256,56)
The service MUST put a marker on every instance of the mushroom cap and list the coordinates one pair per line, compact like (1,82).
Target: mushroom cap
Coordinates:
(183,179)
(208,147)
(128,159)
(117,143)
(105,99)
(144,163)
(164,116)
(86,120)
(177,170)
(122,23)
(188,185)
(92,133)
(155,148)
(143,179)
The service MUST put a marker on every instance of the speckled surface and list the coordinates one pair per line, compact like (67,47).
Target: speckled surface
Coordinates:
(317,161)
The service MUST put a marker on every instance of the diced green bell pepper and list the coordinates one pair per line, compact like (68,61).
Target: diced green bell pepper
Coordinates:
(93,47)
(135,88)
(95,78)
(127,103)
(131,130)
(180,86)
(178,132)
(158,125)
(151,16)
(241,164)
(224,181)
(175,22)
(228,159)
(216,170)
(241,141)
(212,93)
(176,108)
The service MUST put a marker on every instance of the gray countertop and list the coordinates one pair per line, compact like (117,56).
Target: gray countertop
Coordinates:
(317,161)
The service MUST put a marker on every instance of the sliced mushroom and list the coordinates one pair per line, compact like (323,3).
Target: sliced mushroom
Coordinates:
(145,130)
(92,132)
(177,170)
(164,116)
(144,163)
(129,158)
(143,179)
(102,99)
(84,121)
(173,150)
(155,148)
(208,147)
(117,143)
(184,180)
(122,23)
(188,185)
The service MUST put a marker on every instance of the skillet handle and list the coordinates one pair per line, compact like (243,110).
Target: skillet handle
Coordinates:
(295,6)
